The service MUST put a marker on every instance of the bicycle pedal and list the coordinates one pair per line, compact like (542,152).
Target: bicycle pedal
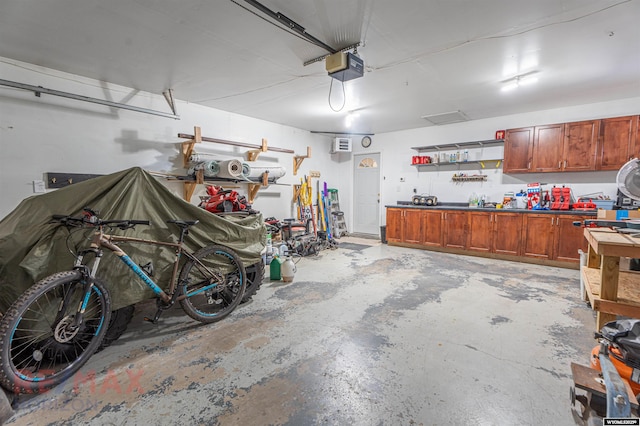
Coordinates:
(155,317)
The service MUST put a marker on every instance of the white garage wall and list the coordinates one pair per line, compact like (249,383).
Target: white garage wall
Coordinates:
(396,153)
(53,134)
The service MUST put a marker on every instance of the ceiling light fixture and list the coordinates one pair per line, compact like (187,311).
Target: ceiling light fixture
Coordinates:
(519,80)
(351,116)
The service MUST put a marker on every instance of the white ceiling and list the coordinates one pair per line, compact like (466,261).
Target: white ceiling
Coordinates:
(422,57)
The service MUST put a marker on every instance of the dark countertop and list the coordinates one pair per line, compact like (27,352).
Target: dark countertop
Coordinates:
(465,206)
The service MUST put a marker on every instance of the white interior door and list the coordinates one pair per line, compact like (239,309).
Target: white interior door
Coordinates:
(366,194)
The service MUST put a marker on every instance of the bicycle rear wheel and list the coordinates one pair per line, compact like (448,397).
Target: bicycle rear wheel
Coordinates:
(213,284)
(255,276)
(40,346)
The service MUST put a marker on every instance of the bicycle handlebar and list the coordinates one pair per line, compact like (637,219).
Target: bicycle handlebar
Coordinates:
(95,221)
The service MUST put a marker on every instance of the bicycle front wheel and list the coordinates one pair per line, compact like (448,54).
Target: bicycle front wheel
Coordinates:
(212,284)
(41,343)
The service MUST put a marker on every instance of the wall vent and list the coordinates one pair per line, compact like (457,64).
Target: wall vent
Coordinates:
(341,145)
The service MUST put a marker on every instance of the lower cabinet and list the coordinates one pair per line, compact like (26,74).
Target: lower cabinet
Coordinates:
(553,237)
(495,232)
(544,236)
(432,228)
(507,232)
(480,231)
(537,237)
(404,225)
(455,229)
(412,226)
(569,238)
(394,224)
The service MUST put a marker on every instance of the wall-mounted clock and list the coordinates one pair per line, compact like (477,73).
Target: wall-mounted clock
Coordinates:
(366,142)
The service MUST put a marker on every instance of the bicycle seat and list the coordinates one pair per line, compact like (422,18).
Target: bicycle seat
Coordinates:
(184,223)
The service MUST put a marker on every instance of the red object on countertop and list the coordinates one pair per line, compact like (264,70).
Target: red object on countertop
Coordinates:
(565,200)
(556,197)
(584,205)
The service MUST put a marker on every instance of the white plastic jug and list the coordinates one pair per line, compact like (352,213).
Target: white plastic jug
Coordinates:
(288,269)
(283,251)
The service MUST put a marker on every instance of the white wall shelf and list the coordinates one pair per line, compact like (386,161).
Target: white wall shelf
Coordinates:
(483,163)
(472,144)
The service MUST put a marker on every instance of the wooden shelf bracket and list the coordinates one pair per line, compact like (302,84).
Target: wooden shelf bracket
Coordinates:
(187,147)
(252,190)
(190,186)
(298,159)
(296,192)
(254,153)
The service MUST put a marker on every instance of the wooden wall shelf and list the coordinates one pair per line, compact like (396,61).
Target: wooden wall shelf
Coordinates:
(252,155)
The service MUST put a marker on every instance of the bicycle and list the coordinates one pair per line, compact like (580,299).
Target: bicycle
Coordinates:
(54,327)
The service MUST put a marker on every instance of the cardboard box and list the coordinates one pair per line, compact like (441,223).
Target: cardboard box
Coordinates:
(618,214)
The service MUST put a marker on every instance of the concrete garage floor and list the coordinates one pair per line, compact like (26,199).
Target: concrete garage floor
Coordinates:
(367,334)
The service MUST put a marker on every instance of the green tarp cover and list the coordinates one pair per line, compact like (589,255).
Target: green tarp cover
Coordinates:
(32,247)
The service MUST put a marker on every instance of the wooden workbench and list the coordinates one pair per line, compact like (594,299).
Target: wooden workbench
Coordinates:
(611,292)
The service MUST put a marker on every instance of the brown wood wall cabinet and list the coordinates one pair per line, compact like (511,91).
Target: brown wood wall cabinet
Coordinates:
(518,146)
(548,148)
(591,145)
(619,140)
(528,237)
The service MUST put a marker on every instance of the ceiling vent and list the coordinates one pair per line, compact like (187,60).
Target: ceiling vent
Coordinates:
(446,118)
(341,145)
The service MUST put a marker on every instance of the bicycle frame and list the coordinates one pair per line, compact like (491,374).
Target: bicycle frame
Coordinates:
(101,240)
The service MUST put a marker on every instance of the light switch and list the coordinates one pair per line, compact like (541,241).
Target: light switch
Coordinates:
(38,187)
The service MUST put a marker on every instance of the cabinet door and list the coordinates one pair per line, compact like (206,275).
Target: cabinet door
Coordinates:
(518,145)
(548,142)
(480,231)
(432,229)
(617,142)
(394,224)
(636,149)
(412,227)
(537,235)
(580,144)
(568,238)
(455,229)
(507,233)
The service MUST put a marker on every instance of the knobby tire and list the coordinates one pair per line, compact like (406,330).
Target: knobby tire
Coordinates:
(210,298)
(39,348)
